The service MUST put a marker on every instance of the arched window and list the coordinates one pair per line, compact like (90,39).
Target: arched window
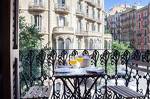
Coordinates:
(68,43)
(98,44)
(79,43)
(91,44)
(105,44)
(86,43)
(60,43)
(54,44)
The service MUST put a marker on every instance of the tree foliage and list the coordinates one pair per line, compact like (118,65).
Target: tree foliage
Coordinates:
(121,46)
(29,36)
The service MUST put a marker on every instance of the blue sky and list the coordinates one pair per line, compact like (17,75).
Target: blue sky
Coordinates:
(110,3)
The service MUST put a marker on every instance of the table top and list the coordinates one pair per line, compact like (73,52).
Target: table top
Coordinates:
(78,72)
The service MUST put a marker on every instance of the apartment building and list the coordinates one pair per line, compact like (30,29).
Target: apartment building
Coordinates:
(142,28)
(114,20)
(67,24)
(114,24)
(128,24)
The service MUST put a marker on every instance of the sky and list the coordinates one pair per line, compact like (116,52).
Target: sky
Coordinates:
(110,3)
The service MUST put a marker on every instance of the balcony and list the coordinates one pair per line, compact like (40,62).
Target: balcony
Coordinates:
(98,6)
(81,33)
(63,30)
(91,2)
(39,66)
(79,13)
(90,18)
(99,21)
(61,9)
(36,8)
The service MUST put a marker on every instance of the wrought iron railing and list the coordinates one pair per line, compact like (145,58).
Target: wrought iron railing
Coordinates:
(39,64)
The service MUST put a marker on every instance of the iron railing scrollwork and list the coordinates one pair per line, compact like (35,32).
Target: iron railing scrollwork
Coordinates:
(38,66)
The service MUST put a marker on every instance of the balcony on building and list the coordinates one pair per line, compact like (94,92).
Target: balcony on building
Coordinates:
(98,6)
(91,2)
(61,9)
(63,30)
(98,20)
(79,12)
(81,33)
(90,18)
(36,8)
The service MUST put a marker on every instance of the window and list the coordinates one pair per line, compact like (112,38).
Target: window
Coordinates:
(87,10)
(145,33)
(79,25)
(61,2)
(37,2)
(98,27)
(61,21)
(87,26)
(86,43)
(105,44)
(93,15)
(60,43)
(37,21)
(79,6)
(93,27)
(79,43)
(98,15)
(139,18)
(68,43)
(91,44)
(145,41)
(98,1)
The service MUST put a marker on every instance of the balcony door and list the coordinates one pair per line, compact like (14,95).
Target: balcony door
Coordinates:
(60,43)
(61,21)
(37,21)
(79,26)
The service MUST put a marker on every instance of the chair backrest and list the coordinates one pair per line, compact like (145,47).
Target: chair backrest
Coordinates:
(140,66)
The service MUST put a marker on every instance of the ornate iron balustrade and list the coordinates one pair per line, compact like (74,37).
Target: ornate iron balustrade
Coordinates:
(38,67)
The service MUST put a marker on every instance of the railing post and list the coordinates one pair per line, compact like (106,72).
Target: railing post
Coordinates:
(104,61)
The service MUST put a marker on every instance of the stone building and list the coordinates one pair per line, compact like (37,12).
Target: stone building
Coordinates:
(67,24)
(114,20)
(142,39)
(128,24)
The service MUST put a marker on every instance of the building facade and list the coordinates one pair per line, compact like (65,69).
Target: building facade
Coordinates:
(128,24)
(67,24)
(114,20)
(142,28)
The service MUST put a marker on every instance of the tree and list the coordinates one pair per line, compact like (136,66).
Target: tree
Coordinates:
(28,42)
(122,46)
(29,36)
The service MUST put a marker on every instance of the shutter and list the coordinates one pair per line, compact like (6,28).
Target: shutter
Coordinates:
(14,49)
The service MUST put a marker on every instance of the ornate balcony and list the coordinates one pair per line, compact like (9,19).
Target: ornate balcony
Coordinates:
(36,8)
(81,33)
(79,13)
(91,2)
(39,66)
(61,9)
(63,30)
(98,6)
(90,18)
(99,21)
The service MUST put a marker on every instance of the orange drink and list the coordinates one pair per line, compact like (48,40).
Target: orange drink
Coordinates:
(72,62)
(79,59)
